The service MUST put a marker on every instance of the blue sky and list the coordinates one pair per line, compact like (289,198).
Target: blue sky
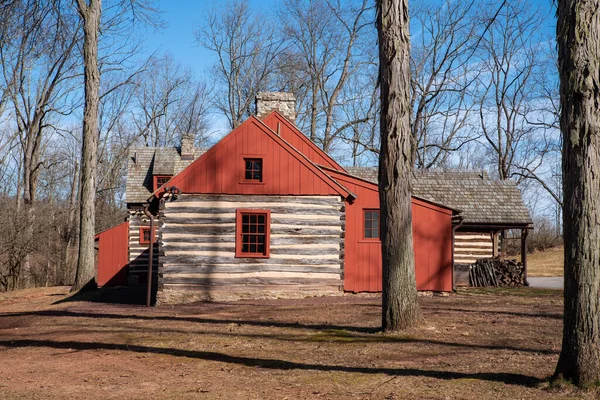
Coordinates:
(183,16)
(177,38)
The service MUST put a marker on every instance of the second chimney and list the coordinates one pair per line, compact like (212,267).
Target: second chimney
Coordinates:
(187,146)
(284,103)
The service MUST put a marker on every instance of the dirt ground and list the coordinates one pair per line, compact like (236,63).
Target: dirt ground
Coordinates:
(478,344)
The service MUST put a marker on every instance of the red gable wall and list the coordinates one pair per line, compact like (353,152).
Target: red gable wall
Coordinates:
(304,145)
(285,172)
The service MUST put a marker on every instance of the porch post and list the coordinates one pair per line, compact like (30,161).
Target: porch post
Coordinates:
(495,243)
(524,233)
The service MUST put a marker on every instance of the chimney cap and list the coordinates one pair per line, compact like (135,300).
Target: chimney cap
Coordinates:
(283,102)
(275,96)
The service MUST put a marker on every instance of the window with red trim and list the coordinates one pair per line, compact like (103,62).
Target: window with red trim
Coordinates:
(145,235)
(253,233)
(371,224)
(253,169)
(160,180)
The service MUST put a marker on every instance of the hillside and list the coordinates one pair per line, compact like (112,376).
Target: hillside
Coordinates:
(546,263)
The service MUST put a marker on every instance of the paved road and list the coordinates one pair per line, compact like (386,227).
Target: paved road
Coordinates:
(546,282)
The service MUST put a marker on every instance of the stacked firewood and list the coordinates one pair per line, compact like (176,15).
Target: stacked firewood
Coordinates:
(496,272)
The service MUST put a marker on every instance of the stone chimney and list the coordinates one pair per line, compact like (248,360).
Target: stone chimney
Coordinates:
(187,146)
(284,103)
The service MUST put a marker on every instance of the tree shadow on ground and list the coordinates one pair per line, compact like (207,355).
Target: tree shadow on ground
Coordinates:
(326,332)
(482,311)
(502,377)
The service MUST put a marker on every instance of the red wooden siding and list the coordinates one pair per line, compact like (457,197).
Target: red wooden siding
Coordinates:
(113,255)
(432,240)
(304,145)
(432,237)
(285,171)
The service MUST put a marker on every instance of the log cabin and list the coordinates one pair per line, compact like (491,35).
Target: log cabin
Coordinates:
(266,213)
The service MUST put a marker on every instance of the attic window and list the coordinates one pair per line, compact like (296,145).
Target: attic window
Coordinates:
(253,169)
(160,180)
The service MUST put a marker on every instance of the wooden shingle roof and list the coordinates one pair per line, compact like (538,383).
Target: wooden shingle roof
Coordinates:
(145,162)
(482,200)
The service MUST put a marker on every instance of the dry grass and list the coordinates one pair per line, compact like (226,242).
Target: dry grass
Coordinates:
(477,344)
(546,263)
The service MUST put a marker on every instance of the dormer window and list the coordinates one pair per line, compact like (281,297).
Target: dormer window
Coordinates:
(160,180)
(253,171)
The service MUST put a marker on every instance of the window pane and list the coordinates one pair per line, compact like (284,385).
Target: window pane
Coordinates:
(248,175)
(375,224)
(367,224)
(252,235)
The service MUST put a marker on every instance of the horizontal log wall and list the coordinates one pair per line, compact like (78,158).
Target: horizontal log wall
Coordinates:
(471,246)
(468,248)
(139,253)
(198,248)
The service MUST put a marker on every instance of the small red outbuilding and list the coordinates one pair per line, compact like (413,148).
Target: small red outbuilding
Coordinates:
(113,255)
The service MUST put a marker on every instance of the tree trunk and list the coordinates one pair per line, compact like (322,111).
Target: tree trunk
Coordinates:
(400,309)
(86,257)
(71,233)
(578,36)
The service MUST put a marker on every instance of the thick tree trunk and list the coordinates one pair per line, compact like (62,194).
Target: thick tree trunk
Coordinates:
(89,157)
(400,309)
(578,36)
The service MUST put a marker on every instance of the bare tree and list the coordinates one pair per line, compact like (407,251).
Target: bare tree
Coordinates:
(400,308)
(116,21)
(330,42)
(90,13)
(509,59)
(442,79)
(247,47)
(578,36)
(169,103)
(359,122)
(545,117)
(38,68)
